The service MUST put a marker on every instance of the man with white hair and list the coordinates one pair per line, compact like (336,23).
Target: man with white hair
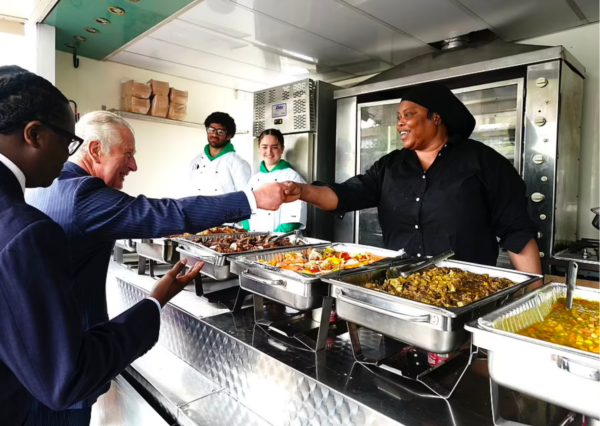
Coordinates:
(87,202)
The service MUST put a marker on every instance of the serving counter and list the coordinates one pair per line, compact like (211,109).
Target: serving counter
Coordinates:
(215,367)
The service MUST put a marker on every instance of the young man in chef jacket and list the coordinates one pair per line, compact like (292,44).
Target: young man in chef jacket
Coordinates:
(273,168)
(219,169)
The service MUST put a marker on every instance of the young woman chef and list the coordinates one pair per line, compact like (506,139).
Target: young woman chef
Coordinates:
(273,168)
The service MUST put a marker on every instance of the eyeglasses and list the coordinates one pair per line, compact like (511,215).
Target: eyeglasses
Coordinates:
(212,130)
(74,140)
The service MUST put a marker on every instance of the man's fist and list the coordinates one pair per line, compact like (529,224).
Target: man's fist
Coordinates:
(270,196)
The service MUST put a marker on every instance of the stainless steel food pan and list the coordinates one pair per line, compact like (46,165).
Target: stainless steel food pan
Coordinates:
(436,329)
(557,374)
(159,249)
(299,291)
(217,264)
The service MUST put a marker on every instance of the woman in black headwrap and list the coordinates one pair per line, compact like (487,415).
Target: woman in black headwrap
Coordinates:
(442,191)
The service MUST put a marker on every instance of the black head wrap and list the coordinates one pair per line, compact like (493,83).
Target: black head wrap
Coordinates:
(438,98)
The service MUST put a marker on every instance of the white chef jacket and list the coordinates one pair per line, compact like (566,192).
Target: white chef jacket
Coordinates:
(267,221)
(225,173)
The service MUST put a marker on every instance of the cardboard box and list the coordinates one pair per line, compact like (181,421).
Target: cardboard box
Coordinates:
(133,88)
(137,105)
(178,96)
(160,106)
(177,112)
(159,87)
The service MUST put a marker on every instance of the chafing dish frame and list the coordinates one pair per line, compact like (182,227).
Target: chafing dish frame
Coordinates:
(436,329)
(558,374)
(294,289)
(216,264)
(162,250)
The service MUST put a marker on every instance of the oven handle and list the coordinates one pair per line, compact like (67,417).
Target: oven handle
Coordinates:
(578,368)
(274,283)
(411,318)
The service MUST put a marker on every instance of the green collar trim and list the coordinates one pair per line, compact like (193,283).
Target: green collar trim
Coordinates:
(226,150)
(280,166)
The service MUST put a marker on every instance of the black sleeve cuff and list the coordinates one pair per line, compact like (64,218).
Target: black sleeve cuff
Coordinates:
(516,241)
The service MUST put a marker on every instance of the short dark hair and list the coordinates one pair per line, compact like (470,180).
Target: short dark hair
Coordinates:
(430,114)
(272,132)
(224,120)
(25,96)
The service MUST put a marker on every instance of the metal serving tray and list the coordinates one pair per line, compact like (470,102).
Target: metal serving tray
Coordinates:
(297,290)
(217,264)
(436,329)
(159,249)
(558,374)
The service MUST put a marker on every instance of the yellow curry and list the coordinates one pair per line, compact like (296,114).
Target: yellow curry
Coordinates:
(577,328)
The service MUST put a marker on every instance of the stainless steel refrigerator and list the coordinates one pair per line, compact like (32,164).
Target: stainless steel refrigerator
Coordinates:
(527,101)
(304,111)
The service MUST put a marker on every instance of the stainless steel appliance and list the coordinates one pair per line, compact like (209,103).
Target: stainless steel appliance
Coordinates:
(304,111)
(585,253)
(429,327)
(558,374)
(303,292)
(527,101)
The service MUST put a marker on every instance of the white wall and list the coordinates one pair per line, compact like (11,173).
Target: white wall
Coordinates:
(164,151)
(583,43)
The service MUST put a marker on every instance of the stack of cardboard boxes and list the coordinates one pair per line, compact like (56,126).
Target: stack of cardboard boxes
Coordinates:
(155,98)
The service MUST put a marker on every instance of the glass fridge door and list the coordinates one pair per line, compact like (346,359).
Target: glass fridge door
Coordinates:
(498,110)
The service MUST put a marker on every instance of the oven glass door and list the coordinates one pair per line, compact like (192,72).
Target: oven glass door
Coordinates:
(498,110)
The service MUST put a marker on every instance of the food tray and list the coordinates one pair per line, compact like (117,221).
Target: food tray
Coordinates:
(558,374)
(253,258)
(437,329)
(297,290)
(217,264)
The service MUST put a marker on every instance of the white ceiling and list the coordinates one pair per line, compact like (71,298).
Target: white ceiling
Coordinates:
(26,9)
(255,44)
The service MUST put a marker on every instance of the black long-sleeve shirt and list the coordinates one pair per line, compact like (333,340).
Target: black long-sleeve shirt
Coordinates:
(469,196)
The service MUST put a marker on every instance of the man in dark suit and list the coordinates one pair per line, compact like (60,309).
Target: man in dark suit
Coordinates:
(87,202)
(44,349)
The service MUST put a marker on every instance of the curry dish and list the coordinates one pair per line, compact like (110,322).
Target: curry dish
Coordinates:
(443,286)
(577,328)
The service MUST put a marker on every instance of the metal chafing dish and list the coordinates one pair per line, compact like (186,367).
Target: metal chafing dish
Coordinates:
(436,329)
(158,249)
(554,373)
(303,292)
(217,264)
(297,290)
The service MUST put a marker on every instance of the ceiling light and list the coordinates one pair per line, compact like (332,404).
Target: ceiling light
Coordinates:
(80,39)
(71,45)
(91,30)
(102,21)
(116,10)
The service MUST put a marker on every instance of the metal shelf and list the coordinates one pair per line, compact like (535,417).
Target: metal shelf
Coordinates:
(161,120)
(153,119)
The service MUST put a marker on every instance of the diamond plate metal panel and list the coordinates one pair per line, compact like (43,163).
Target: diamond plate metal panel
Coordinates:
(274,391)
(231,412)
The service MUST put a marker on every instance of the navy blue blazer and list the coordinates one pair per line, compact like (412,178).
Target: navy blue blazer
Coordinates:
(44,349)
(94,216)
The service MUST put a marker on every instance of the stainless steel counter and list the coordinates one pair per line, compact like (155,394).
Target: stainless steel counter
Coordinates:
(212,367)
